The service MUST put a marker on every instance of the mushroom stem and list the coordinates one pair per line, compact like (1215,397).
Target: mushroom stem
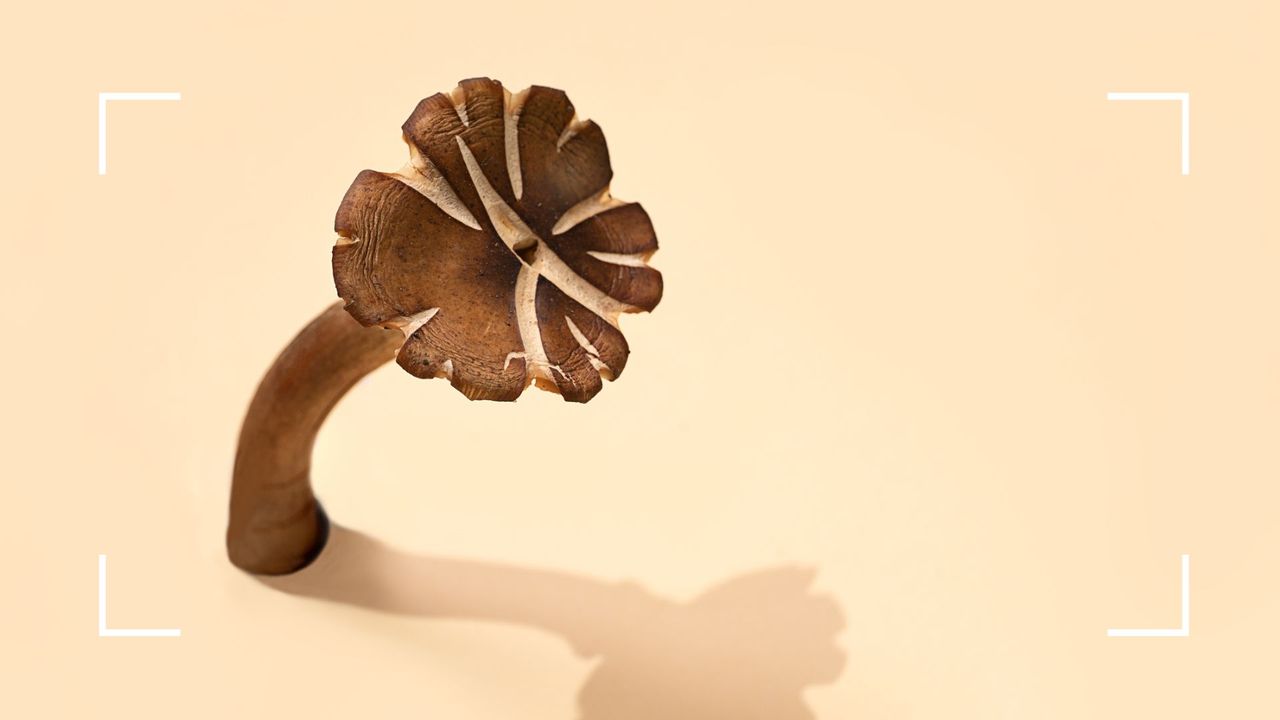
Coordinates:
(276,525)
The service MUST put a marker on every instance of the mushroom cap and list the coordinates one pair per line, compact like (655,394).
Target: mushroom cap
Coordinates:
(497,248)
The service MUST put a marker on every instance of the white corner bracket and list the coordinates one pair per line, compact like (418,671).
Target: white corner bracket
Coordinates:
(104,631)
(1181,97)
(1184,630)
(103,98)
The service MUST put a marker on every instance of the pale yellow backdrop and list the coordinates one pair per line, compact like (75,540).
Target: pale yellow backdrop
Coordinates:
(953,364)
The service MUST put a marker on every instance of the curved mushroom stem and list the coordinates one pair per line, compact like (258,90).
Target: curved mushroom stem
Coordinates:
(276,525)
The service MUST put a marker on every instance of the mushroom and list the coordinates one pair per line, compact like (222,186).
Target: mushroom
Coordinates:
(495,258)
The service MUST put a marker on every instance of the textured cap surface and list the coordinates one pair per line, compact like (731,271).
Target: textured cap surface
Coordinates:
(497,248)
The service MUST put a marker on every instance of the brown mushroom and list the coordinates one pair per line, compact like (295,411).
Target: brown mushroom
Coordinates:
(495,257)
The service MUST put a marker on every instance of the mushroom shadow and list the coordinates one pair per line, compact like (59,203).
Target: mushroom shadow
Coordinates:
(743,649)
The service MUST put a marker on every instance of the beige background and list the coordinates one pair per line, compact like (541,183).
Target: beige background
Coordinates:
(947,341)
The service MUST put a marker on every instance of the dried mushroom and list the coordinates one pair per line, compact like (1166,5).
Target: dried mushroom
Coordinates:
(495,257)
